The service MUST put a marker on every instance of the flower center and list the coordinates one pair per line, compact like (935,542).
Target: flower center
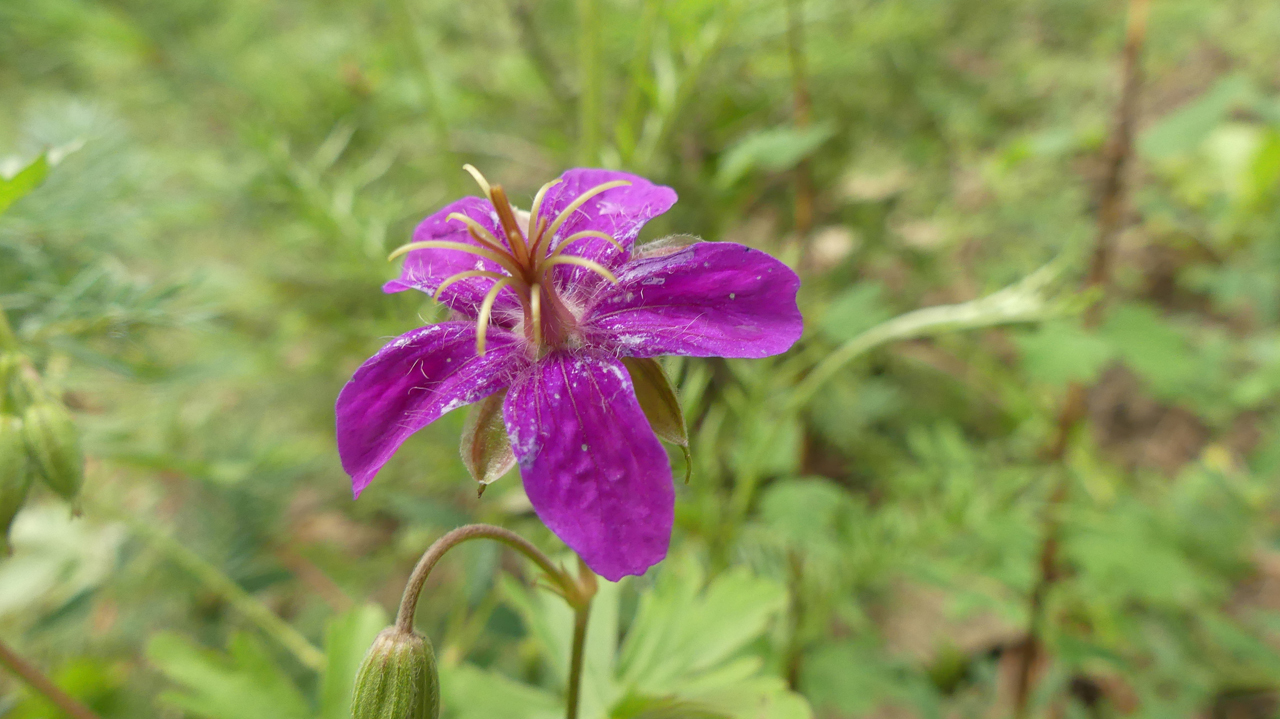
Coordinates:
(526,257)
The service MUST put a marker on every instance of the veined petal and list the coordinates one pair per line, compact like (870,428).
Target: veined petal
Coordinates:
(427,269)
(593,469)
(412,382)
(709,299)
(619,212)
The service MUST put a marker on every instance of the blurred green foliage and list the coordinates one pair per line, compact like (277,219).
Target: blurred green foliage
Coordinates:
(198,274)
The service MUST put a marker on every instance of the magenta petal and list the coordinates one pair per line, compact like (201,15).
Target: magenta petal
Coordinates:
(593,469)
(426,269)
(619,212)
(410,383)
(710,299)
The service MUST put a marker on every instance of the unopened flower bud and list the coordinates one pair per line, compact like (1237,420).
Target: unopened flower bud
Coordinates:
(54,447)
(15,390)
(15,479)
(398,679)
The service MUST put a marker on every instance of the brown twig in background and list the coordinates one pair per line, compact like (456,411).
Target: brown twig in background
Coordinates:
(803,114)
(314,578)
(42,684)
(1112,194)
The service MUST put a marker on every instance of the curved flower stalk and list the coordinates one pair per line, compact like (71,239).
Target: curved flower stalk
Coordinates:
(553,298)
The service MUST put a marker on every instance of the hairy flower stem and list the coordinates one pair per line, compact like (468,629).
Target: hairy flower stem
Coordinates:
(1112,194)
(577,592)
(32,676)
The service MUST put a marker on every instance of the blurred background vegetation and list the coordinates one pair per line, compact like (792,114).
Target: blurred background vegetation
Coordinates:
(199,274)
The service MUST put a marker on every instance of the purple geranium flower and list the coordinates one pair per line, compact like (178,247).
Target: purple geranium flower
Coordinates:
(552,299)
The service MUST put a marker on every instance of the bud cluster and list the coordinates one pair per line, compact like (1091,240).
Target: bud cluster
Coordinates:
(38,440)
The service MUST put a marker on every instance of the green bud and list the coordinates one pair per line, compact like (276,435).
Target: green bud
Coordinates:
(398,679)
(486,451)
(15,393)
(54,447)
(15,480)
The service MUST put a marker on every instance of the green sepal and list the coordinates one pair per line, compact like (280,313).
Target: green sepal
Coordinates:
(486,449)
(660,405)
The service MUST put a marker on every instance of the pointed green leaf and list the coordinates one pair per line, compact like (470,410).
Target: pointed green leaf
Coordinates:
(16,185)
(246,684)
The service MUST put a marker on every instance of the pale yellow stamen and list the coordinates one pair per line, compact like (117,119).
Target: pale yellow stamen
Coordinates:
(582,200)
(535,313)
(595,267)
(584,235)
(486,308)
(537,205)
(478,231)
(463,276)
(483,183)
(538,236)
(503,261)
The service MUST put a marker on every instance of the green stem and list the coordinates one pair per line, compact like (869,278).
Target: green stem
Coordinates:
(626,133)
(580,617)
(589,75)
(32,676)
(577,592)
(803,112)
(242,601)
(573,593)
(8,340)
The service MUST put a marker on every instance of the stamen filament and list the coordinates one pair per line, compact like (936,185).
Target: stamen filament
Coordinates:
(538,235)
(595,267)
(536,207)
(505,261)
(483,183)
(478,231)
(581,200)
(462,276)
(486,308)
(584,235)
(535,312)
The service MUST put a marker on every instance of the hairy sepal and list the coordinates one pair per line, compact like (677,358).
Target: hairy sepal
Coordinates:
(660,405)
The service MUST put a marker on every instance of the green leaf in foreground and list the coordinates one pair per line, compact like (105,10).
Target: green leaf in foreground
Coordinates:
(16,185)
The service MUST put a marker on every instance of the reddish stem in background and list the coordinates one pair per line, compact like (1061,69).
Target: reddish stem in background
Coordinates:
(1112,195)
(44,685)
